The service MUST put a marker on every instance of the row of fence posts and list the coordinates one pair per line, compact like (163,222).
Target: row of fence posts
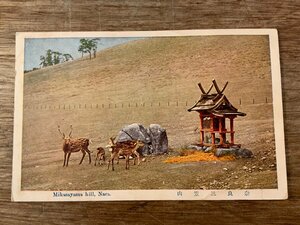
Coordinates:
(123,105)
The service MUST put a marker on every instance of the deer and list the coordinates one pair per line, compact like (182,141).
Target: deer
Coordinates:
(120,153)
(71,145)
(126,148)
(100,156)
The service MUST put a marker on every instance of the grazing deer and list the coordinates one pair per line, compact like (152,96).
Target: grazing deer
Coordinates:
(74,145)
(126,148)
(120,153)
(100,156)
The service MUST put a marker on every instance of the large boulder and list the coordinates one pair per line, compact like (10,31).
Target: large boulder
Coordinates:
(159,139)
(136,132)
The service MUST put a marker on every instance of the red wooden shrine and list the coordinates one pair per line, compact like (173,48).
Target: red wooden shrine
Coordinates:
(214,110)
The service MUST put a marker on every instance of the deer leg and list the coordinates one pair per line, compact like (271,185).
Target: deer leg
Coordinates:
(127,162)
(112,164)
(138,157)
(90,159)
(83,154)
(99,162)
(69,154)
(134,158)
(108,163)
(111,160)
(65,156)
(96,159)
(101,158)
(118,158)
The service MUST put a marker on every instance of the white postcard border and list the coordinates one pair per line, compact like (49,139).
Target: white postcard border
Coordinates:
(175,194)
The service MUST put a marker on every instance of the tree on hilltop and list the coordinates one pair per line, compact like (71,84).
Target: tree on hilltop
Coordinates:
(56,58)
(43,61)
(88,46)
(67,57)
(53,58)
(49,60)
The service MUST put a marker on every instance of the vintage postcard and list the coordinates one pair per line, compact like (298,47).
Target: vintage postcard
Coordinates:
(156,115)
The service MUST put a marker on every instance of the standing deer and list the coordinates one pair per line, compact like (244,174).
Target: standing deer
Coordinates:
(126,148)
(100,155)
(74,145)
(120,153)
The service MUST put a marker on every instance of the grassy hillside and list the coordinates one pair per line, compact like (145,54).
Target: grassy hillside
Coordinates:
(147,81)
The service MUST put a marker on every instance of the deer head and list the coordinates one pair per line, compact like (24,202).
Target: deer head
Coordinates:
(139,143)
(111,143)
(112,140)
(64,137)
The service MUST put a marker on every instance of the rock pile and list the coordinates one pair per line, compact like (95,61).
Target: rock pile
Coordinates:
(154,137)
(238,152)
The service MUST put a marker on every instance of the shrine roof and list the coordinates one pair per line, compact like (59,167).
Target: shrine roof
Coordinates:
(216,103)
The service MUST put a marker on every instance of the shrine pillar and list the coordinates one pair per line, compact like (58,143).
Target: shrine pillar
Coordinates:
(221,131)
(201,129)
(213,137)
(231,131)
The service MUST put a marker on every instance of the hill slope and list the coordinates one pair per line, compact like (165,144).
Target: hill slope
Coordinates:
(151,71)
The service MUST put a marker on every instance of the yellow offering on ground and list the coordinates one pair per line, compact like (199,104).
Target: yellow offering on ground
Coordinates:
(197,156)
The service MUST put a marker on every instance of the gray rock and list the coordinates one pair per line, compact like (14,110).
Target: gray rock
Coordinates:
(208,149)
(244,153)
(239,152)
(225,151)
(196,147)
(136,132)
(159,139)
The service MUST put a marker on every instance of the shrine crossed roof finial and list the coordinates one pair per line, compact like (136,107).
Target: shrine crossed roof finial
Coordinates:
(214,84)
(216,104)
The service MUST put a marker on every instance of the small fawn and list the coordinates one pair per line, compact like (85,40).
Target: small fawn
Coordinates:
(127,149)
(100,155)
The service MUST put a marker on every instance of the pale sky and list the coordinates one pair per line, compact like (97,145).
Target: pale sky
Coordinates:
(35,47)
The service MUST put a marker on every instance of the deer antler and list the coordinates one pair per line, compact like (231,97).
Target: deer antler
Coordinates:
(71,130)
(63,134)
